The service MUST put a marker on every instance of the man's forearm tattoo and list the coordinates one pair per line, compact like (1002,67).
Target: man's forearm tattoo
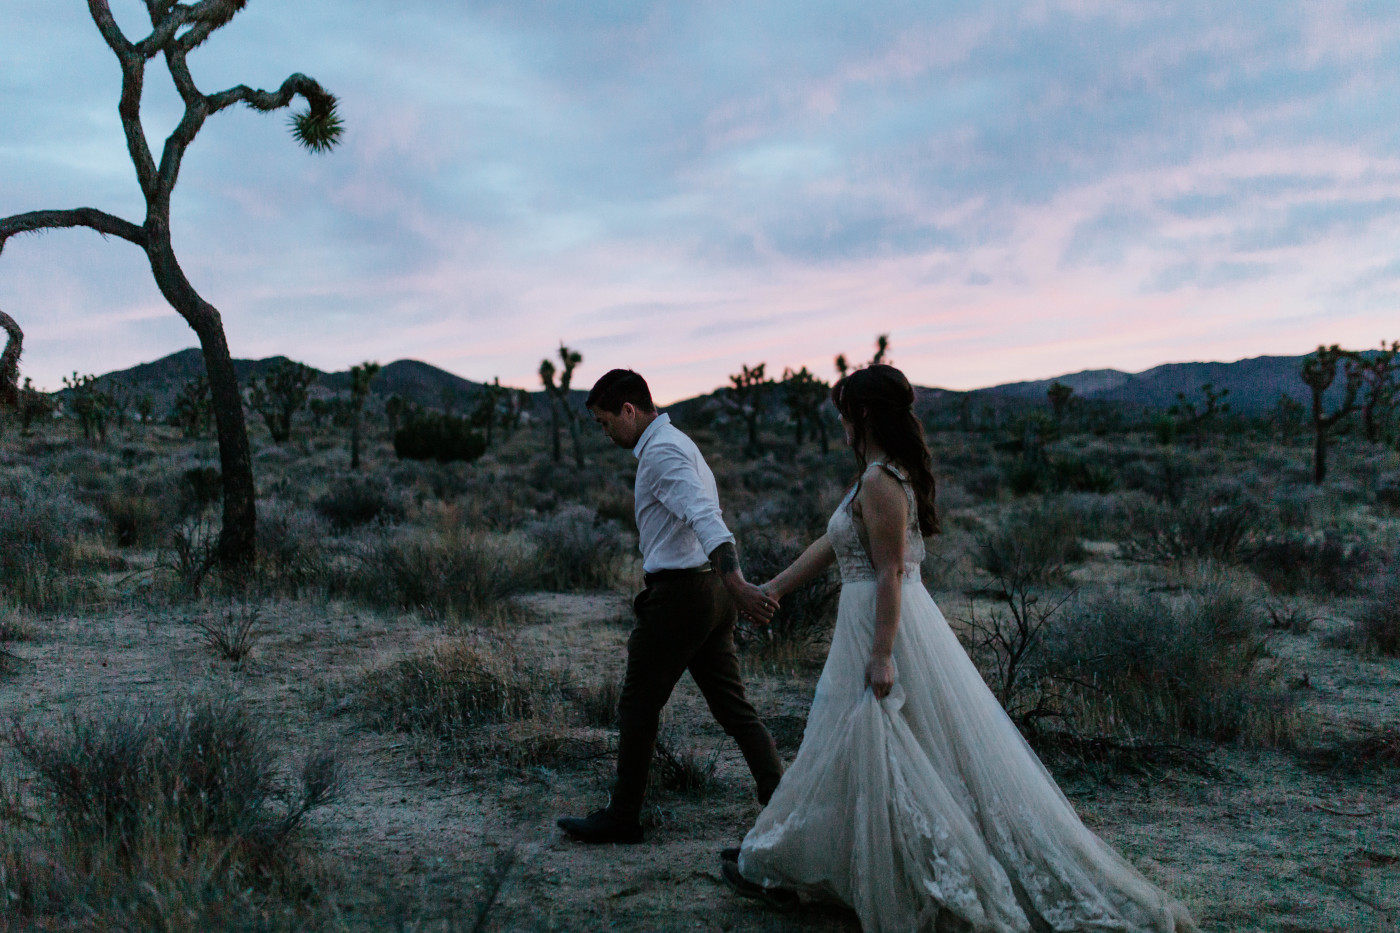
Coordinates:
(724,559)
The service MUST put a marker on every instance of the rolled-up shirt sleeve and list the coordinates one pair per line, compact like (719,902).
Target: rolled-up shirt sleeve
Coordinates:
(679,488)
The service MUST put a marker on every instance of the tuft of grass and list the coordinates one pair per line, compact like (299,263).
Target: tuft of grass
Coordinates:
(597,703)
(1378,624)
(680,768)
(41,527)
(231,634)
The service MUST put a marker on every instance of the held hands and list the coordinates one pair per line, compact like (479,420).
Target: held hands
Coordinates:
(754,602)
(879,675)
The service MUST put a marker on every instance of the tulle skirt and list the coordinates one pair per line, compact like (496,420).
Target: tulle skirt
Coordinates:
(928,807)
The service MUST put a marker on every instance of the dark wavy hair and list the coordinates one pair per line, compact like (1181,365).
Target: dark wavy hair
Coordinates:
(879,402)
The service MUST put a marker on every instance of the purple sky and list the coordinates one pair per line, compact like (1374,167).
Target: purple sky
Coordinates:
(1010,190)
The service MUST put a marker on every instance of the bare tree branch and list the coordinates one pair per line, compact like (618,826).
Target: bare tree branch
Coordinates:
(104,223)
(9,361)
(267,101)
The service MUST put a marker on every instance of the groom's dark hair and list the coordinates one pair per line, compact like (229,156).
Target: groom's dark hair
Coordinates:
(616,388)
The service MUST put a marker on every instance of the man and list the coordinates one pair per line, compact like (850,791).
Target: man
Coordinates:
(685,615)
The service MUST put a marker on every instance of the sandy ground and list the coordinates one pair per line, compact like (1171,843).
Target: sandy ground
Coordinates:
(1257,843)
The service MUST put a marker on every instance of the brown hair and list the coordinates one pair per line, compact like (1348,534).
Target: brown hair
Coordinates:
(879,402)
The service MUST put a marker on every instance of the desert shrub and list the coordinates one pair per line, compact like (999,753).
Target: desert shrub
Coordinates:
(805,616)
(153,808)
(441,573)
(208,766)
(1192,531)
(983,483)
(358,500)
(574,550)
(132,517)
(1376,748)
(1167,669)
(453,687)
(475,702)
(291,547)
(200,488)
(230,633)
(1323,563)
(1031,545)
(440,437)
(1388,490)
(40,528)
(1378,623)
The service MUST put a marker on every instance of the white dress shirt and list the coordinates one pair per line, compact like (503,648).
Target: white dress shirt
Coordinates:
(679,519)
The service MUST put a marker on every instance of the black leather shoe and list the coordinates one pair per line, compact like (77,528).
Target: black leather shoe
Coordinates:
(776,898)
(601,826)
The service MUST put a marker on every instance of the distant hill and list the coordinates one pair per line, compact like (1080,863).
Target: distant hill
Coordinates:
(1255,384)
(424,384)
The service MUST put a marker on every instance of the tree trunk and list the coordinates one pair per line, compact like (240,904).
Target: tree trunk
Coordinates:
(577,440)
(1320,452)
(238,536)
(821,433)
(355,441)
(554,426)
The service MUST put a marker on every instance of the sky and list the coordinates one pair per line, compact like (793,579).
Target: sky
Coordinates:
(1010,190)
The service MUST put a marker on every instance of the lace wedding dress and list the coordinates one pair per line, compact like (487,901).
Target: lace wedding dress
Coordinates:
(927,810)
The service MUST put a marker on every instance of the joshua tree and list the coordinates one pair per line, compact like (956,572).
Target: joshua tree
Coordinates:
(1319,372)
(559,408)
(360,378)
(9,362)
(280,394)
(882,348)
(192,411)
(1198,417)
(804,393)
(1059,395)
(746,396)
(91,405)
(177,30)
(492,407)
(1378,373)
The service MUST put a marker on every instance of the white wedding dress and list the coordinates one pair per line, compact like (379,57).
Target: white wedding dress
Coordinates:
(927,809)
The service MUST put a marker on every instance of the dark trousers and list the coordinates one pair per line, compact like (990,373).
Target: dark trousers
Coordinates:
(685,621)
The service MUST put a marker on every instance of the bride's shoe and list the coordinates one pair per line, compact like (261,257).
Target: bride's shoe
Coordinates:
(777,898)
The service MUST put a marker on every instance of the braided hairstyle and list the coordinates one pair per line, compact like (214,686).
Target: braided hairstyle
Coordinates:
(879,402)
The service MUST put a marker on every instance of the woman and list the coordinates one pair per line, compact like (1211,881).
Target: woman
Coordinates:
(913,798)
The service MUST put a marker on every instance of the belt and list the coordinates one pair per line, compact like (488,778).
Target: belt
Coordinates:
(658,576)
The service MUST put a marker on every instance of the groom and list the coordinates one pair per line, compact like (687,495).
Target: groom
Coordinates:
(685,615)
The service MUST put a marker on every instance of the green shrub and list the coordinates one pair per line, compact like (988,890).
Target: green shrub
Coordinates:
(1378,624)
(133,518)
(292,554)
(439,437)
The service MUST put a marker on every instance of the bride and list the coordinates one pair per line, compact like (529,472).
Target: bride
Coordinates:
(913,798)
